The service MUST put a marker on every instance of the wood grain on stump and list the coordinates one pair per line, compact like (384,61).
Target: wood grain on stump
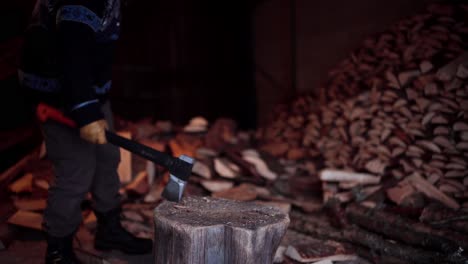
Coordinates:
(215,231)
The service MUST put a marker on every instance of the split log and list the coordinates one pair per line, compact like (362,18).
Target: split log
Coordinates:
(139,185)
(202,169)
(23,184)
(449,71)
(243,192)
(338,176)
(207,230)
(26,219)
(185,144)
(246,166)
(30,204)
(125,166)
(43,184)
(400,193)
(260,165)
(430,191)
(90,220)
(225,168)
(155,192)
(14,170)
(217,185)
(197,125)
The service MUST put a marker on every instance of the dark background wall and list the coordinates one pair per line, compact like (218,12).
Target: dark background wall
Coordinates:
(181,58)
(178,59)
(298,41)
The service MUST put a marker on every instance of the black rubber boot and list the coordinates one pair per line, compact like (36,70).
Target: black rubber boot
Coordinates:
(60,250)
(110,234)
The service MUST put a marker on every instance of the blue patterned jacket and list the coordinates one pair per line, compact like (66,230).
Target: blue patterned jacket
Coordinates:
(68,53)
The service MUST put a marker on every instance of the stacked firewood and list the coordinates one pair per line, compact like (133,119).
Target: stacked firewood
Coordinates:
(396,109)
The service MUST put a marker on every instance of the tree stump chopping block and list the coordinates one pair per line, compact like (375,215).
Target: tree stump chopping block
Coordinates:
(214,231)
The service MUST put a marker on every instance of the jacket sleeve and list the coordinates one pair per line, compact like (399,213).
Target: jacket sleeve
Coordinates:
(76,28)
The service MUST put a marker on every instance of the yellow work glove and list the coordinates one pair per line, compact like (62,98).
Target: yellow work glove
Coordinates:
(95,132)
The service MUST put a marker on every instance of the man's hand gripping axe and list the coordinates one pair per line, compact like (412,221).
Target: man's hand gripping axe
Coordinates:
(180,168)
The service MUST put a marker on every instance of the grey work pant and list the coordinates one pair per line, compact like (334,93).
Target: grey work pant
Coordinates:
(80,167)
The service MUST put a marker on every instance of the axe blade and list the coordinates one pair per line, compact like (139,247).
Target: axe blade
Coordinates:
(176,186)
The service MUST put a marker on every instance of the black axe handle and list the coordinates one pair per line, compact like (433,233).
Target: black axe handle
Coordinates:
(176,167)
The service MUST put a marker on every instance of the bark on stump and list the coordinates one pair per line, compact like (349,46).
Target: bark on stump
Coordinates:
(214,231)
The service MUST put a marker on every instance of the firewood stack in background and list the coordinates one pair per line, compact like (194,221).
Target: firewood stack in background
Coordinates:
(374,168)
(397,109)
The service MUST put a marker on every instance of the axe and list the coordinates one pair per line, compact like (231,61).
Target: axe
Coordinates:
(180,168)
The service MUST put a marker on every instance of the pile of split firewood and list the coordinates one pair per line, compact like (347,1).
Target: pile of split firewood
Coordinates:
(388,140)
(396,109)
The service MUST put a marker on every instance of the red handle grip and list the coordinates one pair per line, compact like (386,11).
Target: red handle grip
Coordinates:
(46,112)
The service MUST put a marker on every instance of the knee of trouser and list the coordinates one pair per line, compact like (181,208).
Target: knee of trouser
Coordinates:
(76,178)
(108,156)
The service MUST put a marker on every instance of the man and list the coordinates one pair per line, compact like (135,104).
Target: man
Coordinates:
(66,62)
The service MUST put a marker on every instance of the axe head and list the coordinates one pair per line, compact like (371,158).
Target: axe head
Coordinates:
(178,179)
